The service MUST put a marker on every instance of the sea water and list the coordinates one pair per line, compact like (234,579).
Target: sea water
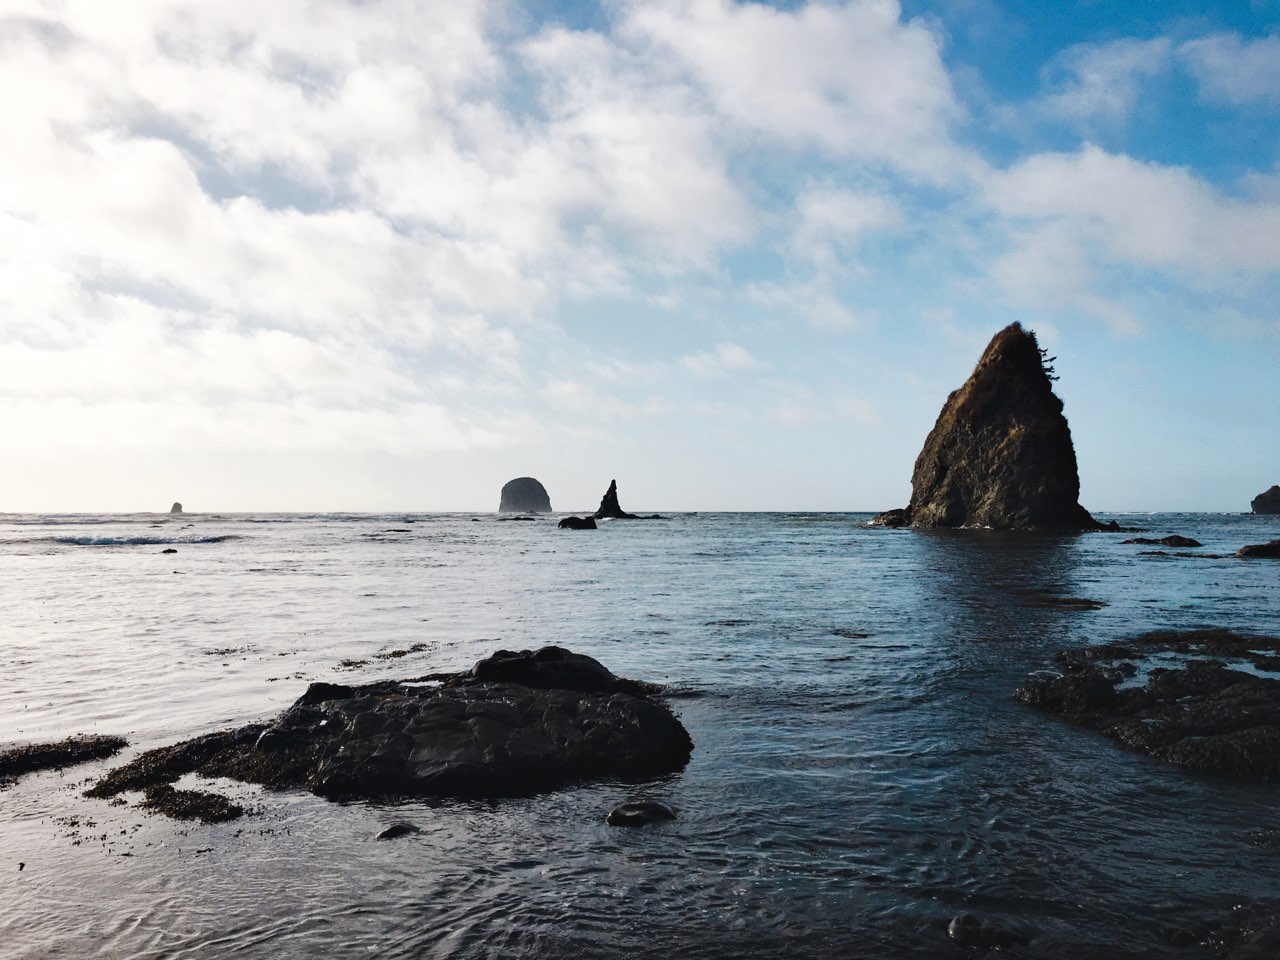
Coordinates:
(861,772)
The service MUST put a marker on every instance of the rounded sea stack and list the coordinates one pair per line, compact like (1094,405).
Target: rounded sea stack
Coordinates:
(524,495)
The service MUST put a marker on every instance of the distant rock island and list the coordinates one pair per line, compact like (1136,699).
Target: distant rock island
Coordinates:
(1267,502)
(176,508)
(1000,454)
(524,495)
(610,509)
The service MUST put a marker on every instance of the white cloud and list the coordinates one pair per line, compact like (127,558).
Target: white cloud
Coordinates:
(1101,82)
(1233,70)
(1143,213)
(812,302)
(851,79)
(725,358)
(832,221)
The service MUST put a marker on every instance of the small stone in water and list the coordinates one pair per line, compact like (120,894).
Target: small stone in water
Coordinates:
(639,813)
(397,830)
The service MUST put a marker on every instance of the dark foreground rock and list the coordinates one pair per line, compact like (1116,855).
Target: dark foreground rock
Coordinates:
(1193,710)
(28,758)
(1267,502)
(1171,541)
(524,495)
(1000,454)
(1271,549)
(578,523)
(516,724)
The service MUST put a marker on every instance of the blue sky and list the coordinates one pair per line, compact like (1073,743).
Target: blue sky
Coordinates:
(388,255)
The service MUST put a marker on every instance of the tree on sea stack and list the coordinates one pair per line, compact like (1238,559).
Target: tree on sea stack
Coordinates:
(1000,454)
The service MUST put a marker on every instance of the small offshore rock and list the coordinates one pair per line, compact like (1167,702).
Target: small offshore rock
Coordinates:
(639,813)
(169,550)
(398,830)
(578,523)
(176,508)
(1271,550)
(1267,502)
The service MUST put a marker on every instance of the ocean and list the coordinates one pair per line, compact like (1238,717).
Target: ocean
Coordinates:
(861,772)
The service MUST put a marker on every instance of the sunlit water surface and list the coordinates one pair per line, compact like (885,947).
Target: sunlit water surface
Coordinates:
(861,773)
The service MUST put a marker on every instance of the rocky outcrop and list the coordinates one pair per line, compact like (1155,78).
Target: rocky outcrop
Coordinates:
(176,508)
(1267,502)
(524,495)
(28,758)
(610,509)
(578,523)
(1256,550)
(517,723)
(1201,714)
(1000,454)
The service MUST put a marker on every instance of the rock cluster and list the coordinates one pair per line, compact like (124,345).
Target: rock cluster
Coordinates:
(1267,502)
(1000,454)
(1201,714)
(1271,550)
(517,723)
(524,495)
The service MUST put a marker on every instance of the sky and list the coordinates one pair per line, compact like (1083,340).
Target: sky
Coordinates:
(387,255)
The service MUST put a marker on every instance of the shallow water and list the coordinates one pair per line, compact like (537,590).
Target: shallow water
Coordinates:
(861,773)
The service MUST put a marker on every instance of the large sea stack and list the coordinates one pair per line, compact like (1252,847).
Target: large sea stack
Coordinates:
(524,495)
(1000,455)
(1267,502)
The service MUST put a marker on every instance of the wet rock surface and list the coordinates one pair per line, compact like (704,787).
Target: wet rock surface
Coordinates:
(516,724)
(199,805)
(524,495)
(578,523)
(1175,696)
(1171,541)
(1000,454)
(28,758)
(1267,502)
(1260,550)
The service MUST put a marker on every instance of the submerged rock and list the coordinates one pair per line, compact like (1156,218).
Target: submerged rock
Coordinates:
(1171,541)
(1271,549)
(610,509)
(1000,454)
(524,495)
(398,830)
(578,523)
(639,813)
(1267,502)
(191,804)
(517,723)
(1202,714)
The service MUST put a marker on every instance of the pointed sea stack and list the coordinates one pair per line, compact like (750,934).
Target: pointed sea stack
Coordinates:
(524,495)
(1000,455)
(1267,502)
(610,509)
